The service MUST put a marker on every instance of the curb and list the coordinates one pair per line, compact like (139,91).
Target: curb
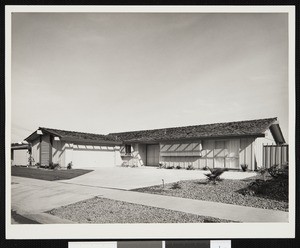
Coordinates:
(44,218)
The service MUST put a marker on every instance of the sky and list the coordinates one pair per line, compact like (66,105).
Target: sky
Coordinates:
(114,72)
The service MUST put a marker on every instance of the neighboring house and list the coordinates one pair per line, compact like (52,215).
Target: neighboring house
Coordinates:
(20,154)
(215,145)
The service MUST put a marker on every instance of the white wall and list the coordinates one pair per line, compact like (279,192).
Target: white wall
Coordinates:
(258,146)
(20,157)
(138,155)
(58,152)
(35,150)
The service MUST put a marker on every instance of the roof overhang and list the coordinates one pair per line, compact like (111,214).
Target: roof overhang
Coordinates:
(32,136)
(20,147)
(92,142)
(277,133)
(155,141)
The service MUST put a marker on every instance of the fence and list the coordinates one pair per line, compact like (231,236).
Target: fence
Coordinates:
(275,155)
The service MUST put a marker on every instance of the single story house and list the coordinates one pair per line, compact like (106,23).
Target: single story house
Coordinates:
(227,145)
(215,145)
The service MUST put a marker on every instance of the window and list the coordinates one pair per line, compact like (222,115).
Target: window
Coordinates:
(128,149)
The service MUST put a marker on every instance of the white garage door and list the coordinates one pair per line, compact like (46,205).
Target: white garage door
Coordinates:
(20,157)
(88,158)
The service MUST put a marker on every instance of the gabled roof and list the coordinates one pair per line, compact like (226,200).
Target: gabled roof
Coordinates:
(249,128)
(17,146)
(75,136)
(254,128)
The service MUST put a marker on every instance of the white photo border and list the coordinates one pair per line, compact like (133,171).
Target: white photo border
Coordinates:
(153,231)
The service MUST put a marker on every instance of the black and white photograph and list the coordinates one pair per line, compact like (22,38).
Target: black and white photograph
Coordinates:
(150,122)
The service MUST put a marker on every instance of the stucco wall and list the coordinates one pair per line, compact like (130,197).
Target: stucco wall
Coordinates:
(137,157)
(58,152)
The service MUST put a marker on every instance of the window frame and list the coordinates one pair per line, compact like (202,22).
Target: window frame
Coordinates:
(128,149)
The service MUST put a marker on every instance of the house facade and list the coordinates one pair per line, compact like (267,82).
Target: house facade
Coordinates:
(214,145)
(82,149)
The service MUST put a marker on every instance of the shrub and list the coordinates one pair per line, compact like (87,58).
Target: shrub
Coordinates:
(176,186)
(38,165)
(190,167)
(276,172)
(178,167)
(170,167)
(263,172)
(205,167)
(161,165)
(125,164)
(54,166)
(244,167)
(70,166)
(30,160)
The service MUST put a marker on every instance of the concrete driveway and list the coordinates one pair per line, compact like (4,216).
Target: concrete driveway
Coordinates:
(31,198)
(131,178)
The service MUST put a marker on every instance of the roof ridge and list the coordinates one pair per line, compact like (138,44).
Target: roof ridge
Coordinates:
(216,123)
(55,129)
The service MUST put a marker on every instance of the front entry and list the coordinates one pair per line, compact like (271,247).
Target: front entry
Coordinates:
(153,155)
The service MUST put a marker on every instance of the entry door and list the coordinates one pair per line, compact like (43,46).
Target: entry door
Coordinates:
(153,155)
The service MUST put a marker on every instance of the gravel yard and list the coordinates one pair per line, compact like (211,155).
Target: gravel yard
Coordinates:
(101,210)
(272,194)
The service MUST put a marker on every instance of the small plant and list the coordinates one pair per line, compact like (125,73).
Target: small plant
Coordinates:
(161,165)
(205,167)
(134,164)
(51,166)
(244,167)
(276,172)
(30,160)
(125,164)
(190,167)
(178,167)
(263,172)
(170,167)
(176,186)
(70,166)
(54,166)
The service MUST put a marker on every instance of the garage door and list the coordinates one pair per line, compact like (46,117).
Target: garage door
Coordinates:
(88,158)
(20,157)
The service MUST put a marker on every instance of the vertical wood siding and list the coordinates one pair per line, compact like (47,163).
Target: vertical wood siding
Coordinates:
(35,150)
(229,153)
(45,150)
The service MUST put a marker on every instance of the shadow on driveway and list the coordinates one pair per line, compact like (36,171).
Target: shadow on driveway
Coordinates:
(19,219)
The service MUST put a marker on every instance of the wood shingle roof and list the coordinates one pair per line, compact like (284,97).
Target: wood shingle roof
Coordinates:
(76,136)
(254,128)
